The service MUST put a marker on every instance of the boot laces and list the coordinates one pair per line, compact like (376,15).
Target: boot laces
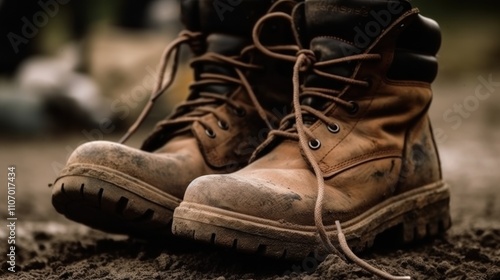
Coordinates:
(204,102)
(293,127)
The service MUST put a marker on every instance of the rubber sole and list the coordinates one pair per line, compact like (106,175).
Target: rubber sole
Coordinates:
(416,214)
(114,202)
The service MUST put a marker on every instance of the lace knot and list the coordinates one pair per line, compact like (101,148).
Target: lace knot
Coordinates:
(309,58)
(195,41)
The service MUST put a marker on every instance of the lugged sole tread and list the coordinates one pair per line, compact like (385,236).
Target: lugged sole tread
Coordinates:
(232,232)
(104,206)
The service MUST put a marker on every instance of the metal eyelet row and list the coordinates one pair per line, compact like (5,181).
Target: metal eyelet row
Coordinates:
(221,124)
(240,112)
(316,144)
(333,128)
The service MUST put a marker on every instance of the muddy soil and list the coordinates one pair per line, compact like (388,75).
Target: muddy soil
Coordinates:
(50,247)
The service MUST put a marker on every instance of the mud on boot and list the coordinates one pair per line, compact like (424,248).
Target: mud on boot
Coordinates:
(230,109)
(358,148)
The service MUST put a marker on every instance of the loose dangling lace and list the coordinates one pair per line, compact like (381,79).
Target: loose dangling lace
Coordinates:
(305,61)
(161,85)
(192,109)
(318,209)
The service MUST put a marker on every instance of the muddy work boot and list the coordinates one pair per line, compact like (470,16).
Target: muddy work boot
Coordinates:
(120,189)
(357,150)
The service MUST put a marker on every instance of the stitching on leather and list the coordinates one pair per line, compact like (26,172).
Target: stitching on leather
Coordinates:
(351,161)
(336,38)
(361,117)
(407,83)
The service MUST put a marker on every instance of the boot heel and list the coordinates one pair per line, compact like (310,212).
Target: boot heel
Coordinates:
(431,220)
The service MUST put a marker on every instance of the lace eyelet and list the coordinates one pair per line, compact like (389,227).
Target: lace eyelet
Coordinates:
(314,144)
(333,128)
(223,125)
(210,133)
(354,109)
(240,112)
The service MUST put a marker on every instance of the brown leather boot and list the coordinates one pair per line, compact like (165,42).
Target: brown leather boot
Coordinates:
(119,189)
(358,149)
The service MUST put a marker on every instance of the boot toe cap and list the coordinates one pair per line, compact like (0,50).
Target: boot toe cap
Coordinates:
(162,171)
(250,196)
(104,154)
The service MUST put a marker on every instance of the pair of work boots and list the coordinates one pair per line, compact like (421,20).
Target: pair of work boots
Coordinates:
(306,119)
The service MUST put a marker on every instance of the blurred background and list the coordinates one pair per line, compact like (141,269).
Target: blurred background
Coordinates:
(76,71)
(69,65)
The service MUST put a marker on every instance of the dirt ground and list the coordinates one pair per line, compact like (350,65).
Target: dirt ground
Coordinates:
(50,247)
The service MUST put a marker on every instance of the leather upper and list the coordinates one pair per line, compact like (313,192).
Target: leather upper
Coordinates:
(382,149)
(222,138)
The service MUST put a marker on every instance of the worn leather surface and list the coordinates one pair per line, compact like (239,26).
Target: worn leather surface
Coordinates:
(177,153)
(384,149)
(341,18)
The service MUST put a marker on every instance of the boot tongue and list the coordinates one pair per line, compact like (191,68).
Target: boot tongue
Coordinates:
(223,44)
(339,28)
(228,24)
